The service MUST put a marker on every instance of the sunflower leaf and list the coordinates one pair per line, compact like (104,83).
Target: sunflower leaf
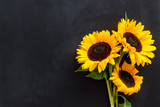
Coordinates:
(105,74)
(123,102)
(81,70)
(95,75)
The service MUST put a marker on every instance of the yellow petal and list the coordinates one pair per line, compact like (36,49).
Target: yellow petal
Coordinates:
(144,33)
(148,48)
(82,60)
(86,65)
(111,61)
(131,26)
(112,78)
(121,89)
(138,58)
(134,71)
(92,66)
(99,68)
(124,66)
(145,59)
(149,54)
(132,57)
(103,65)
(92,39)
(147,42)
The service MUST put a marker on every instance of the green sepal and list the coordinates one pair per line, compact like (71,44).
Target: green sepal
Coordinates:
(125,103)
(96,75)
(81,70)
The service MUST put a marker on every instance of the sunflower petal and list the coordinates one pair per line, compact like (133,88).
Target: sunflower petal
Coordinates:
(149,54)
(111,61)
(99,68)
(92,66)
(132,57)
(82,60)
(86,65)
(149,48)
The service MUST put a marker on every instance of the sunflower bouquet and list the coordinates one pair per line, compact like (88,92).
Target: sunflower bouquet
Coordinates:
(113,57)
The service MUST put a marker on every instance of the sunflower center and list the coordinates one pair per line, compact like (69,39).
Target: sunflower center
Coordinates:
(126,78)
(99,51)
(133,41)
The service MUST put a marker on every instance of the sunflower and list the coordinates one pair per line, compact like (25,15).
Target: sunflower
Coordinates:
(136,41)
(96,50)
(125,79)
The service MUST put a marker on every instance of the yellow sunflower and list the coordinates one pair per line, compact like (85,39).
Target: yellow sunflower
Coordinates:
(136,41)
(125,79)
(97,49)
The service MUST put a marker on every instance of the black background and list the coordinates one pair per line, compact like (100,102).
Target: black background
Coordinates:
(38,41)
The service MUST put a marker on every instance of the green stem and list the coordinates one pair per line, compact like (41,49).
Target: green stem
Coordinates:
(110,92)
(120,58)
(116,98)
(110,69)
(114,91)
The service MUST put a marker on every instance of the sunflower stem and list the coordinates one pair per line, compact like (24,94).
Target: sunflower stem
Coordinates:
(114,91)
(116,97)
(110,93)
(110,69)
(120,58)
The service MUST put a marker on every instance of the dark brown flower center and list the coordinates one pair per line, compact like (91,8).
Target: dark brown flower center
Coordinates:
(133,41)
(126,78)
(99,51)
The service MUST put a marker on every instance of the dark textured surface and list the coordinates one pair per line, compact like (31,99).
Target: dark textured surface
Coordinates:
(38,41)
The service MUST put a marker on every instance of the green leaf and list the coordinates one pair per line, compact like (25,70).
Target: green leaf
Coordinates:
(95,75)
(105,74)
(81,70)
(124,102)
(126,16)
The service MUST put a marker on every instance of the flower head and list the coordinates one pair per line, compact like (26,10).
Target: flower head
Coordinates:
(125,78)
(97,50)
(136,41)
